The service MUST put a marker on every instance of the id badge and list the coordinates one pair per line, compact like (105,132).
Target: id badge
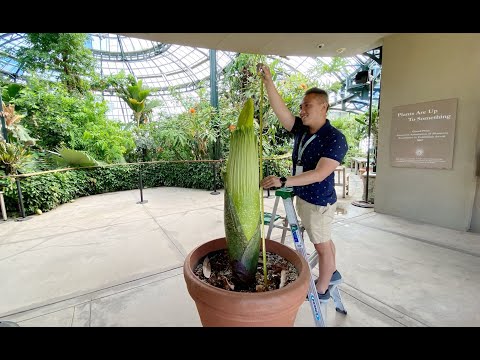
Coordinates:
(298,169)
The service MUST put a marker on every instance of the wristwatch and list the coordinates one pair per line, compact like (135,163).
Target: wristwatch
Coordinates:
(283,181)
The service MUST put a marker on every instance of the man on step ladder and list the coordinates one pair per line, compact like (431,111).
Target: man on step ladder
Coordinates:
(318,149)
(290,222)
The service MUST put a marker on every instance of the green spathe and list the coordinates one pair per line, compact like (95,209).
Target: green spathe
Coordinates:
(242,198)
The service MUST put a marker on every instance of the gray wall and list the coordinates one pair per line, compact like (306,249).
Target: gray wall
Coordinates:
(475,226)
(426,67)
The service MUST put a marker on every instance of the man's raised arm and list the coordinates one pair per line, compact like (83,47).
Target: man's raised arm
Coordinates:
(286,118)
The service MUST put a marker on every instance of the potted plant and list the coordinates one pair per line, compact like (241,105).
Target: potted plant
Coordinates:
(242,214)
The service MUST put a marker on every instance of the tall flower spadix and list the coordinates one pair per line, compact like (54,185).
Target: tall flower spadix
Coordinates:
(242,198)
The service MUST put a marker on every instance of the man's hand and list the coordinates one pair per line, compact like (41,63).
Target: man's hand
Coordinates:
(264,71)
(271,181)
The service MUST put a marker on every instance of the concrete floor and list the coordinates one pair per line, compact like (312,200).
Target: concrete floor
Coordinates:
(105,260)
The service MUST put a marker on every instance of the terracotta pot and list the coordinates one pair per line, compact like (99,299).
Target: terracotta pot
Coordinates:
(219,307)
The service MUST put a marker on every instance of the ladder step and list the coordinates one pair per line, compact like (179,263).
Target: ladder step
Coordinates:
(285,193)
(267,217)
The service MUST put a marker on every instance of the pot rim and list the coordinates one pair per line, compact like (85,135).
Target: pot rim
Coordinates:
(304,271)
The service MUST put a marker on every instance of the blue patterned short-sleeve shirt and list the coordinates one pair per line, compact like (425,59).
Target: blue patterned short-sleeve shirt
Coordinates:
(330,143)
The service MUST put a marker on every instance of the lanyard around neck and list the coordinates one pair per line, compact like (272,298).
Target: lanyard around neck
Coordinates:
(301,148)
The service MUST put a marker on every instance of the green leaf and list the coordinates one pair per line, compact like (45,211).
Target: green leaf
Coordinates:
(19,132)
(76,157)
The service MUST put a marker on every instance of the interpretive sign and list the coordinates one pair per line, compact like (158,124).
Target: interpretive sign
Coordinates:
(423,134)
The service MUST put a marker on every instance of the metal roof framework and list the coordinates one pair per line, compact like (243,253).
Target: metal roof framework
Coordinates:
(185,69)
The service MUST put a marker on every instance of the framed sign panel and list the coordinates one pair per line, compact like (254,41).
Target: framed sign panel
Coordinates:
(423,134)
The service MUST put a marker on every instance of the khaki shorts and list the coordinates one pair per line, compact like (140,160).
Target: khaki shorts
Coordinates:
(316,219)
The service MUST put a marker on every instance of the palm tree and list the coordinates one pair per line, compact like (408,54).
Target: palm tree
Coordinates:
(135,95)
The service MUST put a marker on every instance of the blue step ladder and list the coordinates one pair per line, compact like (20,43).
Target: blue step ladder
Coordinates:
(290,223)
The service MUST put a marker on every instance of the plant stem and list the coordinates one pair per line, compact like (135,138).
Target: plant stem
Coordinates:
(260,149)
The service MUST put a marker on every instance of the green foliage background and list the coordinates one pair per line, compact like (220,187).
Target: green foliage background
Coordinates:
(47,191)
(61,105)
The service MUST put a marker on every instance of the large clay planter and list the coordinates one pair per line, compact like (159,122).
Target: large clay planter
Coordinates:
(219,307)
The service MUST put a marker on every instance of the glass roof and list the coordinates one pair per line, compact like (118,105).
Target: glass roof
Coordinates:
(345,74)
(166,66)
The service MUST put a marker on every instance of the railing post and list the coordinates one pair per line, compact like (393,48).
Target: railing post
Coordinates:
(214,192)
(20,199)
(140,185)
(3,207)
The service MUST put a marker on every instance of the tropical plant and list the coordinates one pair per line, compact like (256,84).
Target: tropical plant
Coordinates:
(240,82)
(135,95)
(11,91)
(13,157)
(242,198)
(56,117)
(363,131)
(336,65)
(64,54)
(350,128)
(112,81)
(194,134)
(240,77)
(17,131)
(68,157)
(106,140)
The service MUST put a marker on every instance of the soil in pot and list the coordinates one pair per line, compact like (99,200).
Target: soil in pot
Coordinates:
(215,269)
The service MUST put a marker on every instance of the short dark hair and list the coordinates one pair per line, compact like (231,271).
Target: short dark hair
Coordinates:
(320,92)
